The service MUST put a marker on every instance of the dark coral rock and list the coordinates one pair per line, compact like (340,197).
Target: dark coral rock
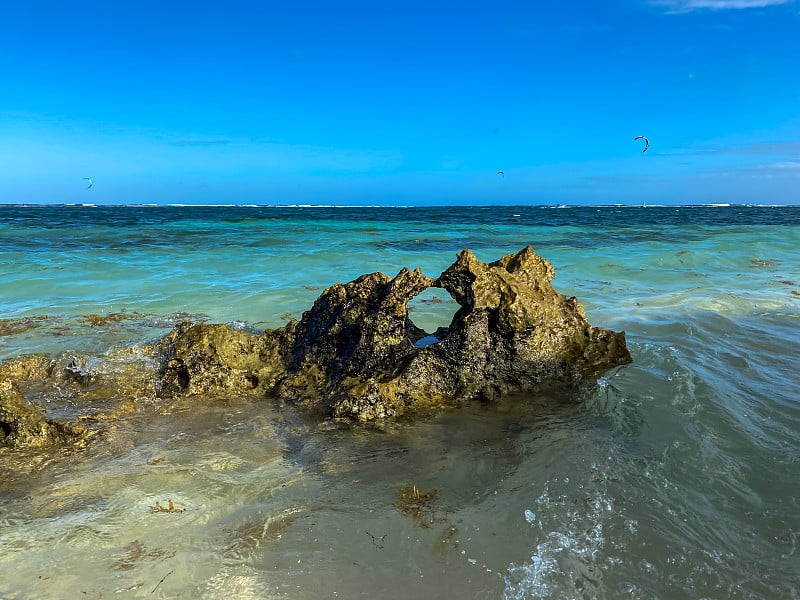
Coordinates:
(355,332)
(353,354)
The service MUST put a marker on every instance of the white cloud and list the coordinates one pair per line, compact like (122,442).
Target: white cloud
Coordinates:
(789,165)
(785,148)
(680,6)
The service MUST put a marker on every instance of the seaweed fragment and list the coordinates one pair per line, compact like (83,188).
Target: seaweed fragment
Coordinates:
(136,552)
(377,541)
(169,508)
(764,262)
(96,320)
(162,581)
(21,325)
(418,505)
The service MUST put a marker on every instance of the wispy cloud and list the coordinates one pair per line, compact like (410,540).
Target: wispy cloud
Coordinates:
(791,148)
(219,142)
(787,165)
(683,6)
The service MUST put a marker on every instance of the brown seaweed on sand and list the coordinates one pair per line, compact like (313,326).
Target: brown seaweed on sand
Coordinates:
(169,508)
(419,505)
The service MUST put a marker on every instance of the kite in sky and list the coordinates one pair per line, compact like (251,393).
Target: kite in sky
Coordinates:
(91,183)
(646,142)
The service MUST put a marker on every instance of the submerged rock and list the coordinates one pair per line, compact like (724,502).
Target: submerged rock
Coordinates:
(353,354)
(24,425)
(79,388)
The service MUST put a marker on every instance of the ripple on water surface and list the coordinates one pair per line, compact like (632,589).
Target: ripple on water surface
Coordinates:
(675,476)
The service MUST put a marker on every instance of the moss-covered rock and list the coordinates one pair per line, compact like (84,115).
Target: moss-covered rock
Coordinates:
(353,354)
(211,358)
(24,425)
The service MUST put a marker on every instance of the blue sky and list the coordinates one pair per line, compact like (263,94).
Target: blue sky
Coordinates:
(400,102)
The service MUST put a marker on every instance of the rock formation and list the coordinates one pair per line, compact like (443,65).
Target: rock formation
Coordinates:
(354,354)
(24,425)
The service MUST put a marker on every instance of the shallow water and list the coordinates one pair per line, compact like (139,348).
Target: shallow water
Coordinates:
(677,476)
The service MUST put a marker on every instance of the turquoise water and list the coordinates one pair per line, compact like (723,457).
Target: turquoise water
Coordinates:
(677,476)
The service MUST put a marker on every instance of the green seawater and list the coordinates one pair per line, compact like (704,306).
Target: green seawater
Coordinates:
(677,476)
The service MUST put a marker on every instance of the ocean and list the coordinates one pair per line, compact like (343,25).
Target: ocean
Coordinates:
(677,476)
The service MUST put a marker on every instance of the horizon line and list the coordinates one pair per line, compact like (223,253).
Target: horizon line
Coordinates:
(559,205)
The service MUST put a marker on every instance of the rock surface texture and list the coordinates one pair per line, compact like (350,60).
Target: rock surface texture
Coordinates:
(23,424)
(353,354)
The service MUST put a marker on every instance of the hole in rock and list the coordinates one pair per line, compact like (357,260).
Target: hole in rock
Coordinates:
(430,313)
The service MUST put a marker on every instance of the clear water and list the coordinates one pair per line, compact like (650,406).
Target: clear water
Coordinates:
(677,476)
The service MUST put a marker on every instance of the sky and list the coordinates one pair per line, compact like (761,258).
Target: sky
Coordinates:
(400,103)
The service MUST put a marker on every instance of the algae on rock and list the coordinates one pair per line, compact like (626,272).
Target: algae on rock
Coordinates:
(353,354)
(24,425)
